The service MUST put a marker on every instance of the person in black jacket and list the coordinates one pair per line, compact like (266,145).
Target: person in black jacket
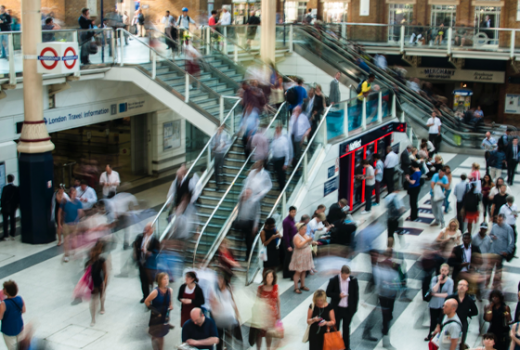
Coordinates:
(146,248)
(10,201)
(343,291)
(343,231)
(85,36)
(190,295)
(465,309)
(459,256)
(336,210)
(512,156)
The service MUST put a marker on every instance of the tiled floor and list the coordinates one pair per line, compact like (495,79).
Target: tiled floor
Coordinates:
(47,290)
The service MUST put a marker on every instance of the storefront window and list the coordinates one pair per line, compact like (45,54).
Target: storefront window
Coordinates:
(398,14)
(444,14)
(486,18)
(295,10)
(335,12)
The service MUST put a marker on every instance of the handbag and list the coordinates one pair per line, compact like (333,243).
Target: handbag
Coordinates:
(263,253)
(333,340)
(306,334)
(438,193)
(158,326)
(277,331)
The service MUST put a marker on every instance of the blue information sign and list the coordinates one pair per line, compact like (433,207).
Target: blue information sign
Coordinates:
(331,171)
(330,186)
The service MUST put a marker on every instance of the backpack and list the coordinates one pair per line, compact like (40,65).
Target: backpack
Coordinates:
(471,201)
(292,96)
(360,87)
(180,18)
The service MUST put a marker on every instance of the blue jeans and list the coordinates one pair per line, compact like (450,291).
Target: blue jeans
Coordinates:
(368,197)
(446,201)
(3,45)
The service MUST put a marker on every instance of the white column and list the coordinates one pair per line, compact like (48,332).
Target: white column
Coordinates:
(268,31)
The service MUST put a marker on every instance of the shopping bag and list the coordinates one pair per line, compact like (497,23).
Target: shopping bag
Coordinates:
(277,331)
(333,340)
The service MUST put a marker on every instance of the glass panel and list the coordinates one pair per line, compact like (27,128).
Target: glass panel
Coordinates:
(95,46)
(486,18)
(335,12)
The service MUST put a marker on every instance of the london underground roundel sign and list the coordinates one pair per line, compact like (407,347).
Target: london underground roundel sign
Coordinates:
(70,57)
(49,61)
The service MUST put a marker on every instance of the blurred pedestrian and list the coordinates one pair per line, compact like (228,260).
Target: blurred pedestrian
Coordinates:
(260,144)
(10,201)
(370,182)
(390,163)
(220,144)
(281,150)
(471,205)
(226,259)
(343,291)
(379,172)
(498,314)
(434,133)
(72,212)
(190,295)
(99,273)
(301,260)
(58,201)
(395,208)
(86,195)
(225,313)
(439,184)
(146,248)
(512,158)
(448,189)
(299,129)
(11,310)
(141,30)
(414,187)
(487,186)
(320,317)
(160,303)
(449,237)
(267,292)
(503,239)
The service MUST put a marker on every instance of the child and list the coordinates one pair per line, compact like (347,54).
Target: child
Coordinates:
(488,340)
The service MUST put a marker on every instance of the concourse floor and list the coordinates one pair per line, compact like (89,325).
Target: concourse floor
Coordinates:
(46,284)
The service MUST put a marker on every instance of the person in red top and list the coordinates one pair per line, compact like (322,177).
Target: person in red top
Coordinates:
(268,292)
(213,18)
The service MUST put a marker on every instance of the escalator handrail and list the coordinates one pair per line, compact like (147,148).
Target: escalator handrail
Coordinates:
(403,87)
(217,207)
(190,170)
(280,196)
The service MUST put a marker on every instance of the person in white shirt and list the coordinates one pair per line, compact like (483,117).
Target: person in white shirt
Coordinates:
(390,163)
(316,229)
(109,179)
(86,195)
(381,62)
(299,128)
(281,152)
(370,181)
(168,21)
(434,131)
(183,22)
(225,19)
(510,212)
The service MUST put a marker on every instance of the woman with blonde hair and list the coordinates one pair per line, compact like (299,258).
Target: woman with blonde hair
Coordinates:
(474,177)
(160,302)
(449,237)
(301,260)
(319,316)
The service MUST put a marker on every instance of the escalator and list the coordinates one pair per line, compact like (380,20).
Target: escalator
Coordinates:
(339,55)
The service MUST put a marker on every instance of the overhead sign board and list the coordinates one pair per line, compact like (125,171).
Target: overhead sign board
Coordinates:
(58,57)
(481,76)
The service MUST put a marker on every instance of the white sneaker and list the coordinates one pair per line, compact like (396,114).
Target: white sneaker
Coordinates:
(434,223)
(365,212)
(66,259)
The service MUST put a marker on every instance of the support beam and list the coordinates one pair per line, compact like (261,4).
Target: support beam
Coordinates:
(268,31)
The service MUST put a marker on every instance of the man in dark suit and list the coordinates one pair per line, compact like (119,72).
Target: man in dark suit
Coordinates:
(463,257)
(10,201)
(343,291)
(504,140)
(406,162)
(512,154)
(334,93)
(146,248)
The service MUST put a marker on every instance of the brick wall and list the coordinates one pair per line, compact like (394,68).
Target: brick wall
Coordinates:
(507,88)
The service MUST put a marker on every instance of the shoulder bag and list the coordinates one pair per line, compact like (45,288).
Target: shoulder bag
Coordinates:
(438,193)
(306,334)
(435,342)
(333,340)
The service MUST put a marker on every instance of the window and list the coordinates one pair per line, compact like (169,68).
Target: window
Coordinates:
(486,18)
(444,14)
(336,12)
(295,10)
(398,14)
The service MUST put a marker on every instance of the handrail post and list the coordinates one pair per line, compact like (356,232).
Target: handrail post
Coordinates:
(233,122)
(450,34)
(221,114)
(345,120)
(305,160)
(512,47)
(12,70)
(380,107)
(324,131)
(113,45)
(224,33)
(401,42)
(235,56)
(122,39)
(208,40)
(291,32)
(187,89)
(402,117)
(394,106)
(154,64)
(284,203)
(344,30)
(364,114)
(75,40)
(208,160)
